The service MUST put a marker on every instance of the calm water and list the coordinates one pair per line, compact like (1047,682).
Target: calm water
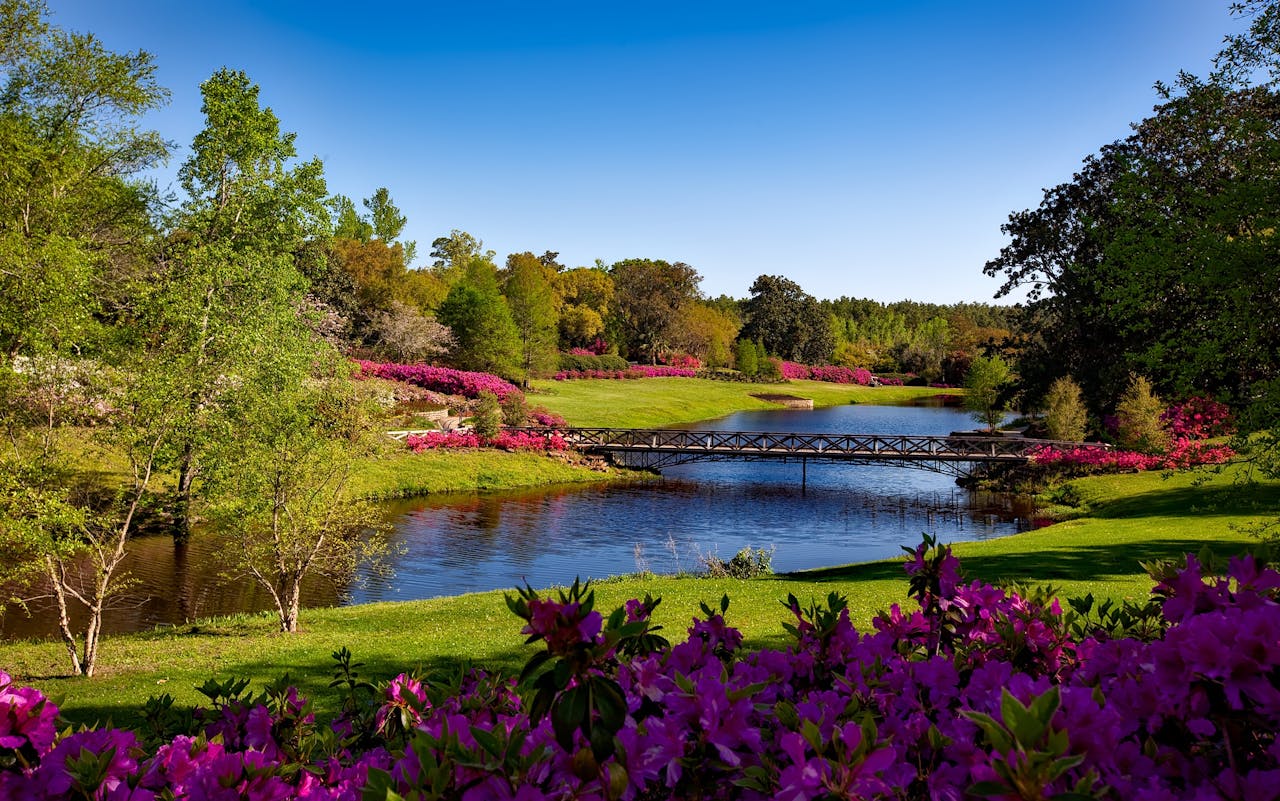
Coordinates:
(455,544)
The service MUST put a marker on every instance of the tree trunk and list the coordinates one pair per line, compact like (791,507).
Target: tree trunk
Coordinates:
(182,516)
(289,620)
(64,619)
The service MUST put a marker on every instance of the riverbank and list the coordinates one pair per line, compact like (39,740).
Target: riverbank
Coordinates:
(1126,519)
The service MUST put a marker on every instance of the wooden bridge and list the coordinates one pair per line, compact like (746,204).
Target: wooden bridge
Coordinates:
(955,454)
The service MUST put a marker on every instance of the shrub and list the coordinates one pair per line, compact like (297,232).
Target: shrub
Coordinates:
(746,563)
(487,418)
(586,362)
(984,384)
(439,379)
(1198,418)
(1065,415)
(1138,418)
(515,411)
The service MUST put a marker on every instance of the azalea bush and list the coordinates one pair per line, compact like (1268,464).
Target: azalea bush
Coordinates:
(505,440)
(1184,453)
(1198,418)
(793,371)
(439,379)
(974,692)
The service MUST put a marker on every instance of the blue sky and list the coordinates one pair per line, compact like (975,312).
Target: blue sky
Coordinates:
(869,149)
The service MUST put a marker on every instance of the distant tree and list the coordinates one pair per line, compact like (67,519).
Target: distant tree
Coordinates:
(650,296)
(1138,412)
(407,335)
(745,357)
(790,322)
(707,333)
(451,255)
(984,385)
(586,299)
(485,337)
(532,299)
(347,222)
(387,222)
(1065,414)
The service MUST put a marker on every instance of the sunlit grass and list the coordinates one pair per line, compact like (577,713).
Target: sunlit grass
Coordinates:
(648,402)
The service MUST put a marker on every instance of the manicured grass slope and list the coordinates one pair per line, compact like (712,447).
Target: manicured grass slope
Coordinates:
(1131,518)
(399,473)
(648,402)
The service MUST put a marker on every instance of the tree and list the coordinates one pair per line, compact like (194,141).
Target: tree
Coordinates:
(532,299)
(787,320)
(347,222)
(1139,410)
(231,280)
(1065,414)
(281,486)
(745,358)
(650,296)
(587,295)
(407,335)
(487,419)
(984,385)
(74,227)
(1159,257)
(707,333)
(452,255)
(485,337)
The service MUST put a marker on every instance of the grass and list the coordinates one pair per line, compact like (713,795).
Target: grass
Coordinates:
(649,402)
(1128,518)
(400,473)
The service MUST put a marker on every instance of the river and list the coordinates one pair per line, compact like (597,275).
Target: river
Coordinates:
(451,544)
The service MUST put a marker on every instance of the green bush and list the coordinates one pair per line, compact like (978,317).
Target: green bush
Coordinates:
(487,419)
(747,563)
(1065,416)
(583,362)
(1139,413)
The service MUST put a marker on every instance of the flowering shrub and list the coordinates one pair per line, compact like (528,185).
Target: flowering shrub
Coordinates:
(976,692)
(1183,454)
(1197,418)
(539,416)
(889,381)
(829,373)
(685,360)
(506,440)
(440,379)
(635,371)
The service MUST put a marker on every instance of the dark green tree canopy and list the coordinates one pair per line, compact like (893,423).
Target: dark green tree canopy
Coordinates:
(649,297)
(788,321)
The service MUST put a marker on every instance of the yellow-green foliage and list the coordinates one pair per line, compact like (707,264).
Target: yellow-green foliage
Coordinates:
(1139,413)
(1065,415)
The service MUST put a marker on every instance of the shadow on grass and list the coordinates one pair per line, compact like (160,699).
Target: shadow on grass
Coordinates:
(312,679)
(1239,499)
(1084,563)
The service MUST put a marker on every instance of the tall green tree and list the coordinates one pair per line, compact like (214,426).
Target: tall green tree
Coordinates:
(984,386)
(231,282)
(531,297)
(74,225)
(485,337)
(789,322)
(650,296)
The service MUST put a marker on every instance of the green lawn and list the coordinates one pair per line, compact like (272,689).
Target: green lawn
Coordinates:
(648,402)
(1129,518)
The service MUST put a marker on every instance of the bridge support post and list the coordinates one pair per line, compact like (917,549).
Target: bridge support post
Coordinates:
(804,475)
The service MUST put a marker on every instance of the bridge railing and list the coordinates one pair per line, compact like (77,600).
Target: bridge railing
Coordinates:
(748,443)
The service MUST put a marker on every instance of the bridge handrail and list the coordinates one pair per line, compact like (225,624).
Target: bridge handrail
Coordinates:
(711,440)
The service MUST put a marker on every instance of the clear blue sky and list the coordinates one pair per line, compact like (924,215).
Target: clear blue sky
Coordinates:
(869,149)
